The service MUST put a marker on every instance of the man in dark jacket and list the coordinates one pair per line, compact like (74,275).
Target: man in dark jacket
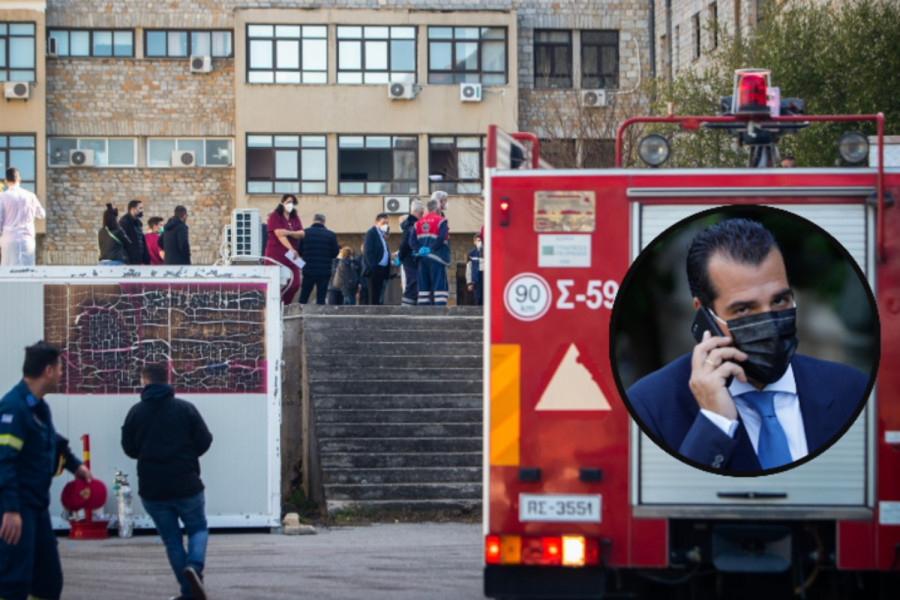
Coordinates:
(318,248)
(30,450)
(405,254)
(174,239)
(376,259)
(167,436)
(135,246)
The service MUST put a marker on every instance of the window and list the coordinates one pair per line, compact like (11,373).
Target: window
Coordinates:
(695,29)
(467,55)
(552,59)
(164,43)
(599,59)
(377,164)
(713,26)
(287,54)
(286,164)
(93,43)
(376,54)
(208,152)
(676,52)
(108,152)
(456,164)
(598,154)
(561,153)
(17,52)
(18,151)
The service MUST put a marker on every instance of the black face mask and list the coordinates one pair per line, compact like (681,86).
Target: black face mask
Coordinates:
(139,214)
(769,340)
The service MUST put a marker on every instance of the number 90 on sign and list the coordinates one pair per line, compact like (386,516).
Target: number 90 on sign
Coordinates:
(527,296)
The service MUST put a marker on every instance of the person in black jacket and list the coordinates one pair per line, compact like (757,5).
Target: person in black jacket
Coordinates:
(167,436)
(135,246)
(410,268)
(376,258)
(318,248)
(174,239)
(111,238)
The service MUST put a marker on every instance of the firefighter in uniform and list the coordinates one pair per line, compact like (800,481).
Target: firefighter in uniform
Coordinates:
(30,453)
(430,243)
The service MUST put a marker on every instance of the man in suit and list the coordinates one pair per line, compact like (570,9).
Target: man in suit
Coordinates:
(376,258)
(743,401)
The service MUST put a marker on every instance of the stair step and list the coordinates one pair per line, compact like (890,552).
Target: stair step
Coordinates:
(398,401)
(419,324)
(418,415)
(400,335)
(402,491)
(397,430)
(400,445)
(401,373)
(399,461)
(387,386)
(391,361)
(466,505)
(404,475)
(410,348)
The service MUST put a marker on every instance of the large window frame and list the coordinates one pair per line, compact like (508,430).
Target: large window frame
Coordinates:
(17,51)
(376,54)
(286,164)
(20,151)
(208,152)
(599,59)
(456,163)
(58,150)
(458,55)
(93,43)
(287,54)
(553,59)
(392,159)
(182,43)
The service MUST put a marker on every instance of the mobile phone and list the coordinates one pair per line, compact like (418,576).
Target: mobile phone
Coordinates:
(704,321)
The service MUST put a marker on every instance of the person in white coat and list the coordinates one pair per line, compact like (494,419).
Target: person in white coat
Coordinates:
(18,210)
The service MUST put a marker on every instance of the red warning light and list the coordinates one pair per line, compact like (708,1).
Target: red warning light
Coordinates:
(504,213)
(751,93)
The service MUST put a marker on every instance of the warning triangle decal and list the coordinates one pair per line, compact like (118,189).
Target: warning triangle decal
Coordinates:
(572,387)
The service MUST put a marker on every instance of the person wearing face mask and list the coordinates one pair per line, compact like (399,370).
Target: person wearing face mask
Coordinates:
(475,272)
(376,259)
(151,239)
(283,233)
(135,247)
(743,401)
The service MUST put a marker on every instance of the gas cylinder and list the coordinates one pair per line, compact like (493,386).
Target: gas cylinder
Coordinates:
(126,508)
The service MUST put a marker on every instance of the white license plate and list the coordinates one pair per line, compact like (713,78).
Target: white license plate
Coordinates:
(569,508)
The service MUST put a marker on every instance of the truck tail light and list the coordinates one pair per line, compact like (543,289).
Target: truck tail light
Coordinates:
(492,550)
(569,550)
(551,551)
(504,212)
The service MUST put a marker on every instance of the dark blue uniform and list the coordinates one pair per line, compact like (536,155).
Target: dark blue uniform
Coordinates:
(432,232)
(28,461)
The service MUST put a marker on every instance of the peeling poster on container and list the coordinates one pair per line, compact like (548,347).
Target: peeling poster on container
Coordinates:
(564,250)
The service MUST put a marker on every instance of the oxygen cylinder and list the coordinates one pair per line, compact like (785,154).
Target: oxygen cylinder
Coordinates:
(126,507)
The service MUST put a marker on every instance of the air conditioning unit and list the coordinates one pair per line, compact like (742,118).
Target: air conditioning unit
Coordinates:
(81,158)
(183,158)
(20,90)
(52,51)
(470,92)
(594,98)
(401,91)
(246,233)
(201,64)
(396,205)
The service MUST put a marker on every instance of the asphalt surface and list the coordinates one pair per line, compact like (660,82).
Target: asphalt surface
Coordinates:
(403,561)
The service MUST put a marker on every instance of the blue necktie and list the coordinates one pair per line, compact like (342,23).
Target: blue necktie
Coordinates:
(772,449)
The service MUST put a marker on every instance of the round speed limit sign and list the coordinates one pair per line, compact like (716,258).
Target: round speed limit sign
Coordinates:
(527,296)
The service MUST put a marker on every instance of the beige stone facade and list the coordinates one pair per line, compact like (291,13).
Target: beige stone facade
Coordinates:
(146,102)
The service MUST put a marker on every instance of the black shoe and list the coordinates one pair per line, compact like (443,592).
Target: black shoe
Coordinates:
(195,580)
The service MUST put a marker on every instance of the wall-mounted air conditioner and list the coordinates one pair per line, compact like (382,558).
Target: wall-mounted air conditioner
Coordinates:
(81,158)
(19,90)
(246,233)
(594,98)
(201,64)
(401,91)
(183,158)
(470,92)
(396,205)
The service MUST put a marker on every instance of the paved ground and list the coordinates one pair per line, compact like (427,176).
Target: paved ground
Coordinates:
(421,561)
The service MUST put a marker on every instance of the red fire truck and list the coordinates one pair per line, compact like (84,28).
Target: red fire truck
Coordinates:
(578,502)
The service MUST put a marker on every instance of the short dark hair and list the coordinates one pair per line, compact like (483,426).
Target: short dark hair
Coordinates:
(109,216)
(155,373)
(742,240)
(12,174)
(180,211)
(133,203)
(381,216)
(154,221)
(38,357)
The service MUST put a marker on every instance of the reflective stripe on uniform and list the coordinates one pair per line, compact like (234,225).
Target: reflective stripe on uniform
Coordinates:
(9,439)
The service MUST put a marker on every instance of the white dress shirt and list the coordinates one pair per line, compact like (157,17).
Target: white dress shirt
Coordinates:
(787,410)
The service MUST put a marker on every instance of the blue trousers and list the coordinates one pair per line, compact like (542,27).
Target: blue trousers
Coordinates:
(31,566)
(191,511)
(432,282)
(411,291)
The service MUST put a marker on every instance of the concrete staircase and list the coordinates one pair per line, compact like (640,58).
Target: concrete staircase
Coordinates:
(392,402)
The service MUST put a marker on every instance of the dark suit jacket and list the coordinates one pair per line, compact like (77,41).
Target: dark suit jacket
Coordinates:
(829,394)
(319,249)
(373,251)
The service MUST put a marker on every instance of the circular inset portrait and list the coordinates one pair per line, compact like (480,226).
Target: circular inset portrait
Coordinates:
(745,339)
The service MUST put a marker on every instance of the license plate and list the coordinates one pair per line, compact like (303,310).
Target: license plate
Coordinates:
(569,508)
